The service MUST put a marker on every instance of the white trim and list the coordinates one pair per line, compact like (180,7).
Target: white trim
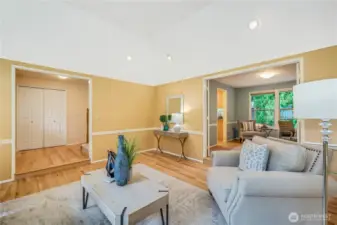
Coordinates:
(6,142)
(319,144)
(213,125)
(189,158)
(13,102)
(6,181)
(101,160)
(181,103)
(147,150)
(193,132)
(139,130)
(236,72)
(123,131)
(13,98)
(232,122)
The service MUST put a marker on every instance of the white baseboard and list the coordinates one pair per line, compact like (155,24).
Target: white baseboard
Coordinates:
(189,158)
(319,144)
(147,150)
(97,161)
(6,181)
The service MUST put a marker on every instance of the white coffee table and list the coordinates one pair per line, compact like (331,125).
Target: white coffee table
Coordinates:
(128,204)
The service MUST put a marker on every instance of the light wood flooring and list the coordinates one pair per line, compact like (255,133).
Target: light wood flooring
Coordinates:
(29,161)
(188,171)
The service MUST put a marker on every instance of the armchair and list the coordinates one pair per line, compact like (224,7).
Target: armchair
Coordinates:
(247,133)
(287,130)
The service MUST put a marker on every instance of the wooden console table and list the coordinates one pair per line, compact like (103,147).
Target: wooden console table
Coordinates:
(182,136)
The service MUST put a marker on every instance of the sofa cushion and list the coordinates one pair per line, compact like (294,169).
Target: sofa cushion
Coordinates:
(283,156)
(220,181)
(253,157)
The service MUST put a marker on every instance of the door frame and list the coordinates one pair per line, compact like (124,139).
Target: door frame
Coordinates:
(13,102)
(299,79)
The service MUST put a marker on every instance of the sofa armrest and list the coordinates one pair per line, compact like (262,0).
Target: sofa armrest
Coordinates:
(226,158)
(280,184)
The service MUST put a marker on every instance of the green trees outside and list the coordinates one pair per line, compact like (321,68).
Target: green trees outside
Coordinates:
(263,107)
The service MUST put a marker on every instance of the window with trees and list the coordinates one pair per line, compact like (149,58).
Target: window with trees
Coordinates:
(263,108)
(269,107)
(287,106)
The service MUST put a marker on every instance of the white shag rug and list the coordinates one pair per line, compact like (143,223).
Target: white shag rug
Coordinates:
(62,205)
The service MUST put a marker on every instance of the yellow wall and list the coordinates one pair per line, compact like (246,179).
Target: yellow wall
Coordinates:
(119,105)
(319,64)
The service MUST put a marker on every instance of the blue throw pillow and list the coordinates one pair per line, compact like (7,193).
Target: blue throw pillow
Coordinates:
(253,157)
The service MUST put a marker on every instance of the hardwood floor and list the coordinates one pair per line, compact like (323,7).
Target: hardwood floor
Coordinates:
(188,171)
(226,145)
(40,159)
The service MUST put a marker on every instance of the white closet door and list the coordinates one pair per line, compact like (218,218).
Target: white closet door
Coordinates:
(54,118)
(29,118)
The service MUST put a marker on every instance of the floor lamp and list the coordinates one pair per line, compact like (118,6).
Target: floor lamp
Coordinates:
(318,100)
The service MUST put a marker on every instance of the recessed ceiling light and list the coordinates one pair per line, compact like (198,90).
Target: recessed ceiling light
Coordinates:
(63,77)
(267,75)
(129,58)
(169,57)
(253,24)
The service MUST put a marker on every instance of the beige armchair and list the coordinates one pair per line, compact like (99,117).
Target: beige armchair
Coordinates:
(287,130)
(249,133)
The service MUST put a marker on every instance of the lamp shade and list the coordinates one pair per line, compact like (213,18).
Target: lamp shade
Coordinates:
(316,100)
(177,118)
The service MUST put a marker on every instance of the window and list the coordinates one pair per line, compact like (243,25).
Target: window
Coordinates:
(263,108)
(287,106)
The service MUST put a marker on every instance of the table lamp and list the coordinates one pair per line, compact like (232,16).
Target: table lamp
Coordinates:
(318,100)
(177,118)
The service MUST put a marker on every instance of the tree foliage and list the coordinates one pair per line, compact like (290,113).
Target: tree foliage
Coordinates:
(263,107)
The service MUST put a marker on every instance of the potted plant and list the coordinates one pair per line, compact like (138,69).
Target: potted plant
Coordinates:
(131,150)
(164,119)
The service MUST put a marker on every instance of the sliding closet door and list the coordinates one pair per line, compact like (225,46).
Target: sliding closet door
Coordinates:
(29,118)
(54,118)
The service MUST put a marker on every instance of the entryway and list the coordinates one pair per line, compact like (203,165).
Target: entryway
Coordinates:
(52,122)
(262,96)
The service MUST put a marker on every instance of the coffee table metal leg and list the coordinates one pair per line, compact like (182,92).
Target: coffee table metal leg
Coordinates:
(167,214)
(162,216)
(85,197)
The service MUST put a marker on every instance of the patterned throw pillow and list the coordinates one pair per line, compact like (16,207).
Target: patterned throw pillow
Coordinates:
(248,126)
(253,157)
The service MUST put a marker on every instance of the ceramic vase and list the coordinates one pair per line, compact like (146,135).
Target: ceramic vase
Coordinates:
(121,163)
(166,127)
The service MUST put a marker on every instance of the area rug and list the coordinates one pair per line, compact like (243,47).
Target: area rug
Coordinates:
(189,205)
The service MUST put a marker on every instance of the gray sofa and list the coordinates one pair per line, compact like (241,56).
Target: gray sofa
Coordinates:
(292,184)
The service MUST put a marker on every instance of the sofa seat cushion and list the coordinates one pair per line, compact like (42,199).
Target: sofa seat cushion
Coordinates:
(220,181)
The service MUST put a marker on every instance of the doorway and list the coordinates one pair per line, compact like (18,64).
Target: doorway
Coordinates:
(221,116)
(244,109)
(52,121)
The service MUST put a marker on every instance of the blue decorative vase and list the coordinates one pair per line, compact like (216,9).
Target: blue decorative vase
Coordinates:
(166,127)
(121,163)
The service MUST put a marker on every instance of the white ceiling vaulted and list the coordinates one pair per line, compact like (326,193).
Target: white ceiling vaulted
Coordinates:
(201,36)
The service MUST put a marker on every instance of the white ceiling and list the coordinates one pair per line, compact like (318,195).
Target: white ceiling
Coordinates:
(282,74)
(202,36)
